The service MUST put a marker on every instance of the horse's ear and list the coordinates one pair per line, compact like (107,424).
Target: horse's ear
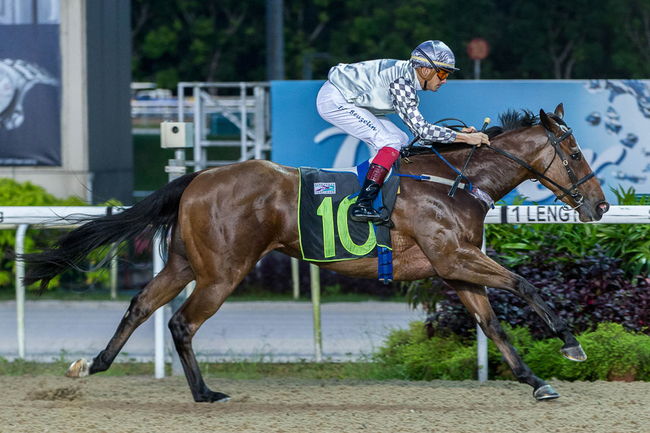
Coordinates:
(546,121)
(559,110)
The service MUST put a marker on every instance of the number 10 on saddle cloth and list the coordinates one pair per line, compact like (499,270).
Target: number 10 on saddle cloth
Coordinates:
(326,232)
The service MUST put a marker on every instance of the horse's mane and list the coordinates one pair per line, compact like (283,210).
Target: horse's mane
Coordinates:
(511,120)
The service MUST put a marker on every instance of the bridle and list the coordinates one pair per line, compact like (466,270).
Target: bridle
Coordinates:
(575,182)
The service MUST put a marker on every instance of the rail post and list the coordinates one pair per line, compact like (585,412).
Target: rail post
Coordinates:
(114,273)
(159,315)
(295,277)
(20,289)
(314,273)
(481,341)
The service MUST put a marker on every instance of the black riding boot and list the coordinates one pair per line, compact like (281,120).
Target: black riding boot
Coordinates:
(362,210)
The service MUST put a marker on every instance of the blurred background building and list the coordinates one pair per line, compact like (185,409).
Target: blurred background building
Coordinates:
(65,99)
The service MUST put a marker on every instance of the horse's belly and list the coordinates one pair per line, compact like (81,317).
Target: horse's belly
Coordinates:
(408,265)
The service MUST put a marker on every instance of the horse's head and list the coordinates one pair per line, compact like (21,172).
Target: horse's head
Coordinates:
(567,173)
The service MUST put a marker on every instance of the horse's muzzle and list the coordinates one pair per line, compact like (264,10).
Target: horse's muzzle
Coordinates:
(601,208)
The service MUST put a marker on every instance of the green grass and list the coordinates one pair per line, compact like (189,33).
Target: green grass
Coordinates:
(244,370)
(58,368)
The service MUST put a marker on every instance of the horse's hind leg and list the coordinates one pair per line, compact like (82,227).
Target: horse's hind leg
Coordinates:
(212,288)
(159,291)
(201,305)
(477,303)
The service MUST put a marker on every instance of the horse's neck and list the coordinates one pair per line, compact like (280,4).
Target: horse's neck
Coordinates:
(496,174)
(493,173)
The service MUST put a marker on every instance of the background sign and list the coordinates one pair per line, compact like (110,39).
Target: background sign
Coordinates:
(29,94)
(609,118)
(478,49)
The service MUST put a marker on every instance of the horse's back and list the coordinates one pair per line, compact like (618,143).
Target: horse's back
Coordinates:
(241,180)
(251,198)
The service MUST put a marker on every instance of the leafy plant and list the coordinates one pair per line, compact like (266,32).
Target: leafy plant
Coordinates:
(14,193)
(628,242)
(584,292)
(422,358)
(613,354)
(629,196)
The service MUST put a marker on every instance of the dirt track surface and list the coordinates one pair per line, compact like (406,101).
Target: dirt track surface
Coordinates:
(139,404)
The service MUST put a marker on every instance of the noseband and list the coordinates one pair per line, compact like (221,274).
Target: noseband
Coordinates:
(575,182)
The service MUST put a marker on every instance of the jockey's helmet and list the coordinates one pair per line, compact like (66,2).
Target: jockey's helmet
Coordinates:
(434,54)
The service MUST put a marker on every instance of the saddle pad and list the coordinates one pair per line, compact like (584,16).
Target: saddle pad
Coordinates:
(326,232)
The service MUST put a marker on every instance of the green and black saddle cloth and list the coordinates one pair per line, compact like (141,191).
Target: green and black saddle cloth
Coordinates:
(326,232)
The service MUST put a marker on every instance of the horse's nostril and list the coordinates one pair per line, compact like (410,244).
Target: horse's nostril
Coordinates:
(602,207)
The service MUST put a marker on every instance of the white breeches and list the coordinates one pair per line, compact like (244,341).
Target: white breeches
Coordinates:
(357,121)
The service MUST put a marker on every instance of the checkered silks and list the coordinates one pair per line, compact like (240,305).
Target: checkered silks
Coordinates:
(405,102)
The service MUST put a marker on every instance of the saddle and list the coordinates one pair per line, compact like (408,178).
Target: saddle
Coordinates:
(326,233)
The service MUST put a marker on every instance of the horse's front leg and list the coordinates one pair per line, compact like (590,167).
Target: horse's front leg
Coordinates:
(477,303)
(468,263)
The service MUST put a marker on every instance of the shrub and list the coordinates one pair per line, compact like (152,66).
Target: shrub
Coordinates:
(613,354)
(421,358)
(628,242)
(584,292)
(13,193)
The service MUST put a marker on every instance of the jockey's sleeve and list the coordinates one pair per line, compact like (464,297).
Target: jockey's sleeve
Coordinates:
(405,102)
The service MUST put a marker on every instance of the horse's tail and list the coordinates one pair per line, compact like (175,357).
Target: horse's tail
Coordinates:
(157,212)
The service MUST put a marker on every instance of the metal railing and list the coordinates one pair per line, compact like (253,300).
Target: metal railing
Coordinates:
(21,217)
(244,105)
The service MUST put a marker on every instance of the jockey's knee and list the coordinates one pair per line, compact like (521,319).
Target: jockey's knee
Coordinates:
(399,139)
(394,138)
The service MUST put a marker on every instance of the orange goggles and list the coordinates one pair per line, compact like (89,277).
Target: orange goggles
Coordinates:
(442,74)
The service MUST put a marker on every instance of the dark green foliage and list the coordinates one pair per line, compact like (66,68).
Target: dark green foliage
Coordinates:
(613,354)
(418,357)
(628,242)
(225,40)
(14,193)
(583,291)
(588,274)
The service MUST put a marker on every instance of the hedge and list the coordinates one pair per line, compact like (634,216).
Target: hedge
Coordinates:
(612,354)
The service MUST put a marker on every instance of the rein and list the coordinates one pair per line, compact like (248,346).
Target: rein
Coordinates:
(575,182)
(554,140)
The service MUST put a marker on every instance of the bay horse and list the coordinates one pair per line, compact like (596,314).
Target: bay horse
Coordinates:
(221,221)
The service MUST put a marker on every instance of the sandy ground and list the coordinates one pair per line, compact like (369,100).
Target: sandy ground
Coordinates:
(143,404)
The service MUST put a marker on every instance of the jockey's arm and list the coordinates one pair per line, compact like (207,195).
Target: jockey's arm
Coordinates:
(405,103)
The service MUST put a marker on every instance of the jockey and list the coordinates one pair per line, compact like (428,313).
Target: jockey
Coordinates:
(357,96)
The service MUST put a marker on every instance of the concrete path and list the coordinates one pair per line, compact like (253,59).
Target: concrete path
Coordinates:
(269,331)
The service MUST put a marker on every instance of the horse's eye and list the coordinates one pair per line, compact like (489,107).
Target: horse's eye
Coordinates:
(577,156)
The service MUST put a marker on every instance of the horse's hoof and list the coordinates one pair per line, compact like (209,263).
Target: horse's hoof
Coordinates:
(79,368)
(574,353)
(213,397)
(224,398)
(545,392)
